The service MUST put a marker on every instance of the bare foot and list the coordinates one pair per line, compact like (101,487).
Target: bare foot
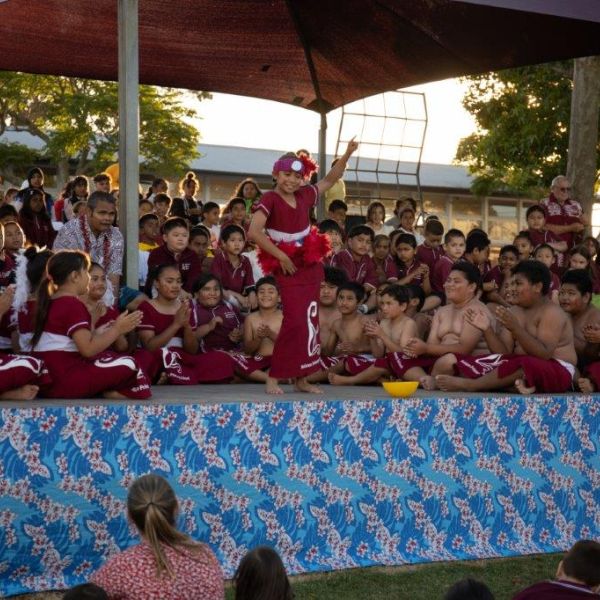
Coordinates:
(302,385)
(272,387)
(25,392)
(449,383)
(113,395)
(428,383)
(585,385)
(162,380)
(335,379)
(523,388)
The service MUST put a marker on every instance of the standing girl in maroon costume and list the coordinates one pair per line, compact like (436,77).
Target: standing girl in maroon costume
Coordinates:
(293,251)
(168,327)
(62,336)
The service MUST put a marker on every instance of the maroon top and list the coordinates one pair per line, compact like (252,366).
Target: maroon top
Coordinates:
(429,255)
(218,338)
(37,231)
(494,274)
(7,270)
(362,271)
(153,320)
(563,214)
(404,271)
(441,270)
(386,269)
(187,262)
(236,279)
(556,590)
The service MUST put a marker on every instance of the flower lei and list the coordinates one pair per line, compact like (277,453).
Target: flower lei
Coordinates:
(87,243)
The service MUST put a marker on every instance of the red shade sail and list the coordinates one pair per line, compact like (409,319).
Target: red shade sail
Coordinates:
(318,54)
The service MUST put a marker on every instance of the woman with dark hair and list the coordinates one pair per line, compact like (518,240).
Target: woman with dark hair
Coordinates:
(261,576)
(167,564)
(79,193)
(35,221)
(35,180)
(250,192)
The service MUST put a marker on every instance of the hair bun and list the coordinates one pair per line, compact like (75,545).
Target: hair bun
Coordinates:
(31,252)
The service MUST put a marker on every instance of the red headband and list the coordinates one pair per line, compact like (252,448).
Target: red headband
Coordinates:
(302,164)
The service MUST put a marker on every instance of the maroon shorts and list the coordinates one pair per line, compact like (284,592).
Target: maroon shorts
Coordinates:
(398,363)
(357,363)
(472,367)
(248,364)
(593,372)
(330,361)
(547,376)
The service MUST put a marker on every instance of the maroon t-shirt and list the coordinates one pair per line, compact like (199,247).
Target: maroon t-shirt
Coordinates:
(405,270)
(556,590)
(218,338)
(187,262)
(386,269)
(495,274)
(236,279)
(429,255)
(441,270)
(362,271)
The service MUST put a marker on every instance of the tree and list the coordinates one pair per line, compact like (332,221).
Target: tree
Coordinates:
(78,119)
(15,161)
(522,119)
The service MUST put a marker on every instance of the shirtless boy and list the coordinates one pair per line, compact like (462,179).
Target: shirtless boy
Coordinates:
(544,355)
(389,336)
(261,329)
(347,336)
(452,334)
(575,297)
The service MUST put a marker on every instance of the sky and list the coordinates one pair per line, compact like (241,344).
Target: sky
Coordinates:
(250,122)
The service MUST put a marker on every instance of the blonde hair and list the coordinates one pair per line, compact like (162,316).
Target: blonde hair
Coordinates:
(152,506)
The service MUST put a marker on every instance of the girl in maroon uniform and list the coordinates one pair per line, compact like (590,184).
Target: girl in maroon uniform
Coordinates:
(62,336)
(168,326)
(292,250)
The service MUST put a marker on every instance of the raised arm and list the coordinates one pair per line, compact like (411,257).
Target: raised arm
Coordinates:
(338,169)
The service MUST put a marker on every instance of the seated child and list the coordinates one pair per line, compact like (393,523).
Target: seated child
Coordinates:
(235,214)
(385,266)
(145,207)
(199,243)
(210,220)
(431,250)
(162,205)
(337,211)
(415,306)
(575,298)
(538,234)
(347,337)
(407,223)
(410,270)
(148,241)
(454,248)
(477,252)
(333,231)
(233,269)
(469,589)
(168,326)
(543,358)
(545,254)
(580,258)
(509,257)
(524,245)
(219,322)
(76,356)
(328,308)
(175,251)
(577,576)
(261,574)
(356,262)
(261,329)
(389,336)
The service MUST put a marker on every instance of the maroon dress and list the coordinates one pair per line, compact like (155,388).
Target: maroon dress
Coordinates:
(74,376)
(297,350)
(181,367)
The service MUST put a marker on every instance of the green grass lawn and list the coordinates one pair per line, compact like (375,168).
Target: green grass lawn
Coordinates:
(504,576)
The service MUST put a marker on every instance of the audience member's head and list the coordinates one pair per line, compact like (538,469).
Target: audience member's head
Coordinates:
(433,233)
(85,591)
(575,292)
(454,244)
(360,240)
(582,563)
(261,576)
(469,589)
(337,210)
(537,278)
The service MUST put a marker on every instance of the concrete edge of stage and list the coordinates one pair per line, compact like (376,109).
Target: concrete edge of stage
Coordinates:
(228,393)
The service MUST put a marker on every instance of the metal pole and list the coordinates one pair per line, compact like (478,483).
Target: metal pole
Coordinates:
(129,170)
(323,166)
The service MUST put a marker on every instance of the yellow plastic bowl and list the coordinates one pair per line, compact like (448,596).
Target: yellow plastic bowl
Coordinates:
(400,389)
